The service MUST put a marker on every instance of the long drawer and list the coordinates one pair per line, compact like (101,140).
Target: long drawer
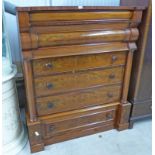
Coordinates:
(78,100)
(75,63)
(74,38)
(84,119)
(75,81)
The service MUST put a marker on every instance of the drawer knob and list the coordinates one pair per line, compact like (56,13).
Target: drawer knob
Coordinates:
(50,105)
(112,76)
(51,128)
(110,95)
(109,115)
(48,65)
(114,58)
(49,85)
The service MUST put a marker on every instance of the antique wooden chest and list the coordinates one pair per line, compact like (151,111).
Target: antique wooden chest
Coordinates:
(77,64)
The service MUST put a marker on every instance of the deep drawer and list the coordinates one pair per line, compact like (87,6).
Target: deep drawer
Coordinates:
(48,85)
(83,119)
(78,100)
(75,63)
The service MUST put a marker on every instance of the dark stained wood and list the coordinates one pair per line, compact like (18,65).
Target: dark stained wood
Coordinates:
(77,65)
(139,57)
(21,92)
(140,92)
(75,8)
(142,109)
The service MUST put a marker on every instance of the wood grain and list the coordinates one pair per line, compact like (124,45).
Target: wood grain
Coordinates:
(127,77)
(73,50)
(30,90)
(33,41)
(77,63)
(78,119)
(80,61)
(58,16)
(78,100)
(115,25)
(76,81)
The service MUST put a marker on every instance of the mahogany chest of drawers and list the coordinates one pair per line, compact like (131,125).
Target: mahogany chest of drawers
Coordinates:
(77,65)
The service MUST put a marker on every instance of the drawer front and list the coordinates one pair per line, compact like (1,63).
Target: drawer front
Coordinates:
(78,100)
(80,120)
(74,38)
(68,16)
(81,28)
(75,81)
(75,63)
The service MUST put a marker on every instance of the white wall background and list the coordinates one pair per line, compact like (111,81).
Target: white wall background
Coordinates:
(85,2)
(11,22)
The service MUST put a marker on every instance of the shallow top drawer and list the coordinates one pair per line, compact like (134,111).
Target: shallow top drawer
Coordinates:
(61,16)
(73,15)
(76,63)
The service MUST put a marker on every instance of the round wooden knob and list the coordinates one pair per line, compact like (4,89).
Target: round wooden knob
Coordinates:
(110,95)
(114,58)
(108,115)
(49,85)
(112,76)
(50,105)
(51,127)
(48,65)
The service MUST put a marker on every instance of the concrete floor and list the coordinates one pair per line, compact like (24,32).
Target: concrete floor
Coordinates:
(136,141)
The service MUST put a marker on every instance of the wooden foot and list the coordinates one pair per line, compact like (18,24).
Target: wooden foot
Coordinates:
(124,126)
(123,114)
(37,148)
(35,136)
